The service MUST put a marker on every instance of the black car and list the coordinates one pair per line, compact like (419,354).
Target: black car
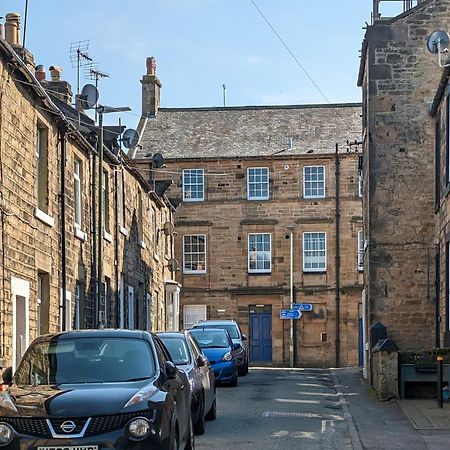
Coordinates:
(187,355)
(95,390)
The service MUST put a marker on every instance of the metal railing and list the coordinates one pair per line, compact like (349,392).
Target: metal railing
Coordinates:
(407,4)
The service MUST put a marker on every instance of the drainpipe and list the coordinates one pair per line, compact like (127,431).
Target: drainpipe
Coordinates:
(116,243)
(62,196)
(94,240)
(338,259)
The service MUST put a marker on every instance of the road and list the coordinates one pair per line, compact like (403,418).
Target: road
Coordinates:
(278,409)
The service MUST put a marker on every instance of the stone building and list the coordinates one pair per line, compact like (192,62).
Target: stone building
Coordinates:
(49,217)
(264,221)
(398,76)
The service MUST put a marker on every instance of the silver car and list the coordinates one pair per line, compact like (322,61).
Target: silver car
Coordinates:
(236,336)
(187,356)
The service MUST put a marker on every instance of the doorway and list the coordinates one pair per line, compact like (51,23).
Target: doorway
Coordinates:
(20,290)
(260,327)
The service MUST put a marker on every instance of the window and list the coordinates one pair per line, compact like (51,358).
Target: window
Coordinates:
(140,217)
(194,253)
(314,252)
(314,182)
(193,185)
(131,322)
(258,183)
(155,233)
(78,300)
(103,302)
(120,200)
(77,191)
(68,318)
(259,253)
(43,303)
(360,177)
(105,201)
(148,311)
(437,164)
(193,314)
(360,250)
(42,167)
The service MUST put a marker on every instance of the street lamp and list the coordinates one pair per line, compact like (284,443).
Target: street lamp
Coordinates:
(101,109)
(291,290)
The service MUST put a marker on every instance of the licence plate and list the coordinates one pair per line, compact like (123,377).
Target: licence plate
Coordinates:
(70,447)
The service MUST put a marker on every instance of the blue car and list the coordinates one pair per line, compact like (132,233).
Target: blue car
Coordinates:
(218,347)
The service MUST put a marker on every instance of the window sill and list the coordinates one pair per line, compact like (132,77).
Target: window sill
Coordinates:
(193,272)
(79,234)
(314,272)
(255,199)
(142,244)
(123,230)
(44,217)
(259,273)
(185,200)
(107,236)
(313,198)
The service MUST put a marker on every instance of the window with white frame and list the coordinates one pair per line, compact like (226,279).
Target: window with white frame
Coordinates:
(193,314)
(314,252)
(194,253)
(193,185)
(259,253)
(77,191)
(103,301)
(78,300)
(42,167)
(314,182)
(105,201)
(257,183)
(120,200)
(360,250)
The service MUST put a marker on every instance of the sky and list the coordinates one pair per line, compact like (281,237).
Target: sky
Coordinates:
(200,45)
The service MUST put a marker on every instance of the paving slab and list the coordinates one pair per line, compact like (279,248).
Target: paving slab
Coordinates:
(425,414)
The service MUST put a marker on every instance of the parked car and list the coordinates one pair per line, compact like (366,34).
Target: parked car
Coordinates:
(96,389)
(187,356)
(236,336)
(218,347)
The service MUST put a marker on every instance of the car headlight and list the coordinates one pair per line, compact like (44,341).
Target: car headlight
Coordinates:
(6,434)
(139,428)
(227,357)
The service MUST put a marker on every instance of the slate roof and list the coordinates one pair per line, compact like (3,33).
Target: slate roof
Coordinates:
(249,131)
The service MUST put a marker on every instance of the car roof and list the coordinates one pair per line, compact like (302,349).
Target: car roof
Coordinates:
(106,332)
(216,322)
(170,334)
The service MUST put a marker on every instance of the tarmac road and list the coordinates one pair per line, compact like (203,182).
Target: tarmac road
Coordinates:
(278,409)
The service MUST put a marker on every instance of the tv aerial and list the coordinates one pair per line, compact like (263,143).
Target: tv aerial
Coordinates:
(80,58)
(437,43)
(158,160)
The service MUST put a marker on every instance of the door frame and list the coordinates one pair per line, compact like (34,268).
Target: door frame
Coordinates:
(19,288)
(260,313)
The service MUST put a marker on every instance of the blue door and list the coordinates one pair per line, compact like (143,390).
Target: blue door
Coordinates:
(260,333)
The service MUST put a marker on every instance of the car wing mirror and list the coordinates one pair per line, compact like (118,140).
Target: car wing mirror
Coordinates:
(237,346)
(7,376)
(202,361)
(171,369)
(244,337)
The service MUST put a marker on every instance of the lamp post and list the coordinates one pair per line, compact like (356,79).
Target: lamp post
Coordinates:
(101,109)
(291,290)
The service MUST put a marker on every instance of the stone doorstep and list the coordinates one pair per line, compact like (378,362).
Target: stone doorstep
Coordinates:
(424,414)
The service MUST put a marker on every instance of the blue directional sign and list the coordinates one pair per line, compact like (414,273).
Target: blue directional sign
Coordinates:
(303,306)
(290,314)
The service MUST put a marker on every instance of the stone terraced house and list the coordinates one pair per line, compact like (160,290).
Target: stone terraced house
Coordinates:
(49,215)
(270,215)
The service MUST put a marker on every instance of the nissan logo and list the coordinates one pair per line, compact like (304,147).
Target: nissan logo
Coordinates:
(68,426)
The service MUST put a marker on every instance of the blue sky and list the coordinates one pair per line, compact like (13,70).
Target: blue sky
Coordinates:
(200,45)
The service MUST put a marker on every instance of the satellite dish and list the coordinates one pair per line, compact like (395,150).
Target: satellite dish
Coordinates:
(173,264)
(437,41)
(158,160)
(130,138)
(168,228)
(89,96)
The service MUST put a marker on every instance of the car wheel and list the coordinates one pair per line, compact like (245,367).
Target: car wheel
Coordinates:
(212,413)
(190,444)
(199,425)
(234,381)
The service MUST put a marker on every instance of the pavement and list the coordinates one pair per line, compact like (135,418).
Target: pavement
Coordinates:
(413,424)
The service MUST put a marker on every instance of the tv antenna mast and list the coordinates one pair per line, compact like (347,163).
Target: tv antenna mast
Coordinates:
(94,73)
(79,58)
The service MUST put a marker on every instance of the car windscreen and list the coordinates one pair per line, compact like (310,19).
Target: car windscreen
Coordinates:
(210,338)
(232,329)
(86,360)
(178,349)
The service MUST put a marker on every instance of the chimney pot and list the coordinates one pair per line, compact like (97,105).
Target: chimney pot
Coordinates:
(55,72)
(39,72)
(151,66)
(12,28)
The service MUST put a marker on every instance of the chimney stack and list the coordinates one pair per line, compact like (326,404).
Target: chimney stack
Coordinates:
(39,72)
(58,87)
(55,73)
(151,87)
(12,29)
